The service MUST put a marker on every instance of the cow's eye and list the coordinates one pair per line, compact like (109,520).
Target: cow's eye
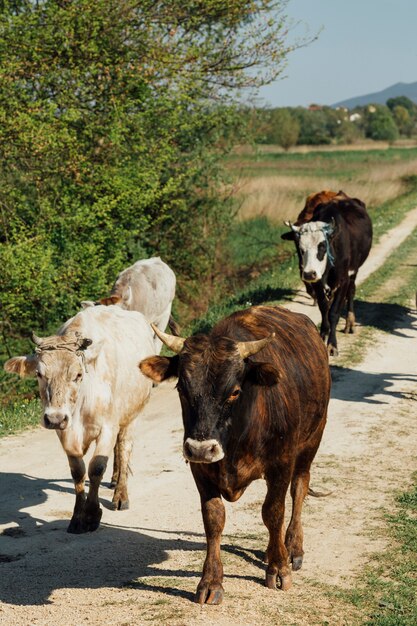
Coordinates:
(78,378)
(235,394)
(38,374)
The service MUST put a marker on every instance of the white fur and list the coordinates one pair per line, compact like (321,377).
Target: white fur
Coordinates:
(310,235)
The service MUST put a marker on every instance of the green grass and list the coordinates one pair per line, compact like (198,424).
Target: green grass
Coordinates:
(318,163)
(18,416)
(389,592)
(257,243)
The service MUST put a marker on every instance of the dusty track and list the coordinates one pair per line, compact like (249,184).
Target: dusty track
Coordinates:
(143,565)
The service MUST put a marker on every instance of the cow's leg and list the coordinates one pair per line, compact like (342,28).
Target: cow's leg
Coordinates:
(350,314)
(116,465)
(92,512)
(273,511)
(323,305)
(210,588)
(334,316)
(299,488)
(125,445)
(77,467)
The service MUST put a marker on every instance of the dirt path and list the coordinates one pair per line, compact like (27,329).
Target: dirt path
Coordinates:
(143,565)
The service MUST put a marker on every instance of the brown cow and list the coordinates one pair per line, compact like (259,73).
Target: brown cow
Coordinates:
(313,201)
(248,417)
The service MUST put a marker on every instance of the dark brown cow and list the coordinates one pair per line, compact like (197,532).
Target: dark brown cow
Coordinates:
(248,417)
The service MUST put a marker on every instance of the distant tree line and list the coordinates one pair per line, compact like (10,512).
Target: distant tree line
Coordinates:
(290,126)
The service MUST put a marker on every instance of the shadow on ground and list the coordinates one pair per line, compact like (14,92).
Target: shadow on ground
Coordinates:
(357,385)
(391,318)
(38,556)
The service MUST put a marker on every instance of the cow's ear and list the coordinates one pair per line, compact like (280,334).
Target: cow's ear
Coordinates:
(22,365)
(159,368)
(263,374)
(110,300)
(288,236)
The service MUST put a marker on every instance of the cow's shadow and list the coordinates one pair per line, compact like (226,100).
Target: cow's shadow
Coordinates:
(38,556)
(390,317)
(364,386)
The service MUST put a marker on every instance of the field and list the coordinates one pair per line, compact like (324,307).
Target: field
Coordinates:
(142,566)
(275,184)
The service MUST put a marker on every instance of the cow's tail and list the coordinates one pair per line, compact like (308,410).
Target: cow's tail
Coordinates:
(318,494)
(173,327)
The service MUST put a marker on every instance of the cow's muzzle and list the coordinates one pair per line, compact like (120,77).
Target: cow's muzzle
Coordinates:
(207,451)
(55,421)
(310,277)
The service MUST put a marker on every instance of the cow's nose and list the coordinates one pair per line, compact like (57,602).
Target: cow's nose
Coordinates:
(207,451)
(310,276)
(55,421)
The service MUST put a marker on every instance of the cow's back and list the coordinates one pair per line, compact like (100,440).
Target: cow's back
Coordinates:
(300,397)
(147,286)
(114,386)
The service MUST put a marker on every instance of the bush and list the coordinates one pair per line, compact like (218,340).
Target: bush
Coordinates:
(114,118)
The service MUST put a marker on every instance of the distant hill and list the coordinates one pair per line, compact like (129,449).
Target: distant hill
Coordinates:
(380,97)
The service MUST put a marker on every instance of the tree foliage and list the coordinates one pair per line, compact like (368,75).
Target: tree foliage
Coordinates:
(113,116)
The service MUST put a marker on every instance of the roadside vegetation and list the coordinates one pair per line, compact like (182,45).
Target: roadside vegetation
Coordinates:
(387,592)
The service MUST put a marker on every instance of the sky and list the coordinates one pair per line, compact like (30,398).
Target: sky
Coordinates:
(364,46)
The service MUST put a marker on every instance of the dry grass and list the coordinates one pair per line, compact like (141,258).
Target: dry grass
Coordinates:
(281,197)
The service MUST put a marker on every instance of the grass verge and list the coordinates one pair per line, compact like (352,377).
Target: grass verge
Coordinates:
(17,416)
(388,593)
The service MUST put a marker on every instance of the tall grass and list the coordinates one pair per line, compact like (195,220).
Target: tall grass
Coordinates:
(275,185)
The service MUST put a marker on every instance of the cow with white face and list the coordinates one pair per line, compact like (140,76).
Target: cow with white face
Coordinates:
(314,249)
(91,391)
(331,248)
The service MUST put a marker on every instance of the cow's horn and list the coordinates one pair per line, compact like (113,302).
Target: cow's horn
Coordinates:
(247,348)
(176,344)
(36,340)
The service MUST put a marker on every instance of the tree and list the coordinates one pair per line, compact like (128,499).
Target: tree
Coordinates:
(380,124)
(114,115)
(313,127)
(402,101)
(404,120)
(283,128)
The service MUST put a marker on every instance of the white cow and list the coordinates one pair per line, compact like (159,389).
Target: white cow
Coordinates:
(91,391)
(147,286)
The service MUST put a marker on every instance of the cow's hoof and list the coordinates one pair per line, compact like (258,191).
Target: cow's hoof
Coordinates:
(332,350)
(113,484)
(75,526)
(209,593)
(271,581)
(297,562)
(91,519)
(119,505)
(285,581)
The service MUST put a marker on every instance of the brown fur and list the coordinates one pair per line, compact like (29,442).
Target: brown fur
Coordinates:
(271,430)
(313,201)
